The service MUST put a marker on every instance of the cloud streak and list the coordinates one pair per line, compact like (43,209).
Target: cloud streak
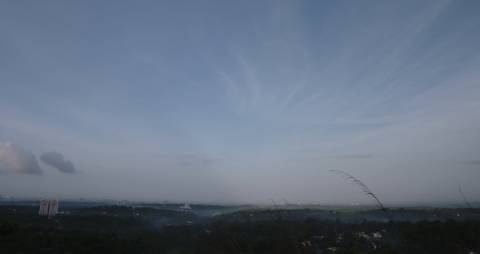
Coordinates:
(472,162)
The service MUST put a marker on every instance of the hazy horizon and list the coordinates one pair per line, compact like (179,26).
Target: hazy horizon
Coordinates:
(240,102)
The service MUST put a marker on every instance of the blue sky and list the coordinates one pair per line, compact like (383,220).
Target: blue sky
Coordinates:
(242,101)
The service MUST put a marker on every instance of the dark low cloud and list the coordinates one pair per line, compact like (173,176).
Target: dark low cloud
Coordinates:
(15,159)
(57,160)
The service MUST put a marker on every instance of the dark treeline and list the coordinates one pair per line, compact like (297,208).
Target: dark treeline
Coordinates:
(128,230)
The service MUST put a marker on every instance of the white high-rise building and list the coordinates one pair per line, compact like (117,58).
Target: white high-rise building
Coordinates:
(43,207)
(53,208)
(48,207)
(186,207)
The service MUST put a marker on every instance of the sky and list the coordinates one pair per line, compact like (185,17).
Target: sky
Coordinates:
(240,101)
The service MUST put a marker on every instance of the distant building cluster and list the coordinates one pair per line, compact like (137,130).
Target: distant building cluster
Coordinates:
(48,207)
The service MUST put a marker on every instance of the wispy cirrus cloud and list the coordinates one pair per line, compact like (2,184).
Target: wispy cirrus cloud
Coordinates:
(387,88)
